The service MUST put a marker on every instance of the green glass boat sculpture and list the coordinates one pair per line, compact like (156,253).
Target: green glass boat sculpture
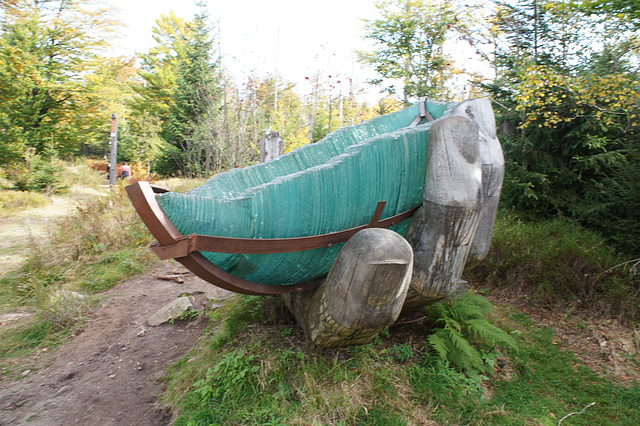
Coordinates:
(278,226)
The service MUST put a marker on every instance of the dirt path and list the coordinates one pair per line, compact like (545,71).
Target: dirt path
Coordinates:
(108,374)
(17,232)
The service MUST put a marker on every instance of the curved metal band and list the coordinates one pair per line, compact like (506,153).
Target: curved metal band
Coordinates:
(186,249)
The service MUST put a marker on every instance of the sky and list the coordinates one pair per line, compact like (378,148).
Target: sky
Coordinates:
(296,38)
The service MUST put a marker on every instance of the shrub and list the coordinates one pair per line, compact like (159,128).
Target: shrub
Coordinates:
(42,173)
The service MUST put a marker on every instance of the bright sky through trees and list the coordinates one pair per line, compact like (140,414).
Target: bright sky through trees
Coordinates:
(305,36)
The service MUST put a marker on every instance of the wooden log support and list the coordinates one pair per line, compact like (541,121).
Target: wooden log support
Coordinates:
(492,160)
(363,294)
(442,230)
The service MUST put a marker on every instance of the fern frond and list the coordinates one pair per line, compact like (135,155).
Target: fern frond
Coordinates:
(470,307)
(464,354)
(437,312)
(489,333)
(439,345)
(460,322)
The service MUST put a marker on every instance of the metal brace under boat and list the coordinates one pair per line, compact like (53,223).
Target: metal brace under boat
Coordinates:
(186,248)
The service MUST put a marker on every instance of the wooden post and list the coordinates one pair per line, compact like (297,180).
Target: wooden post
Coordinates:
(271,146)
(442,229)
(363,294)
(113,159)
(492,160)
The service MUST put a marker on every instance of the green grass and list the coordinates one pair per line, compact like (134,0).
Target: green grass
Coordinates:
(549,382)
(248,370)
(559,263)
(12,202)
(29,335)
(89,251)
(98,246)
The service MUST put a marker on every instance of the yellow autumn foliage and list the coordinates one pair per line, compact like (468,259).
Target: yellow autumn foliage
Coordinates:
(546,98)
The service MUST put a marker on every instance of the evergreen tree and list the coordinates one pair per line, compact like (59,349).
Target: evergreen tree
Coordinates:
(183,91)
(569,115)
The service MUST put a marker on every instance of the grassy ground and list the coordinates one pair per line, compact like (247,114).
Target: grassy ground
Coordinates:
(59,253)
(252,368)
(558,263)
(62,250)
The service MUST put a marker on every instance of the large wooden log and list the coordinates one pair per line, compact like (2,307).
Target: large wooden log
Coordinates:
(442,230)
(492,160)
(363,294)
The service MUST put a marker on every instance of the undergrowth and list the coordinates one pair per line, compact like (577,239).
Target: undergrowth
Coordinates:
(87,252)
(12,202)
(559,263)
(39,172)
(248,369)
(463,337)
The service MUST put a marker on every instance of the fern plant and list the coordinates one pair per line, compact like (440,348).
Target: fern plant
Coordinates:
(462,335)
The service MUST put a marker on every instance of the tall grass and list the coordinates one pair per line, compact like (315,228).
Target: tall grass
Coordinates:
(82,185)
(12,202)
(100,244)
(558,263)
(89,251)
(85,246)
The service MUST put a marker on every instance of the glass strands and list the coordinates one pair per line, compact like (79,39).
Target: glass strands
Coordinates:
(332,185)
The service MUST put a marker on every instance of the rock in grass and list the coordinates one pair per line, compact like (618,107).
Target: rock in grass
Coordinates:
(170,311)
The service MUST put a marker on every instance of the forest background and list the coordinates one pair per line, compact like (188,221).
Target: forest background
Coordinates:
(562,75)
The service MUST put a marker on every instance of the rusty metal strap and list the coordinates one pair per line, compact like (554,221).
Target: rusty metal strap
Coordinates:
(194,242)
(423,112)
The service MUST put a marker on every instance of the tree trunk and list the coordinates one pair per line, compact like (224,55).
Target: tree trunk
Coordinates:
(442,230)
(363,294)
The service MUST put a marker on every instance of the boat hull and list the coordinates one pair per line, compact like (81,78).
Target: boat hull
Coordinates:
(327,187)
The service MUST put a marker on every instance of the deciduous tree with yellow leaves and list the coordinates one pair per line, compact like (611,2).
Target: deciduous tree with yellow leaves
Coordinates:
(567,94)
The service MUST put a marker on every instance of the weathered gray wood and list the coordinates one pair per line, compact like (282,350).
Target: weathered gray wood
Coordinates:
(442,230)
(492,159)
(113,157)
(453,228)
(363,294)
(271,146)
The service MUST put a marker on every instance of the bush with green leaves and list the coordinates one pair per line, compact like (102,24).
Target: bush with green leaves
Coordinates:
(40,173)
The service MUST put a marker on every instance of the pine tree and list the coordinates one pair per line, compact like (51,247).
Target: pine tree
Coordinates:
(569,110)
(195,99)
